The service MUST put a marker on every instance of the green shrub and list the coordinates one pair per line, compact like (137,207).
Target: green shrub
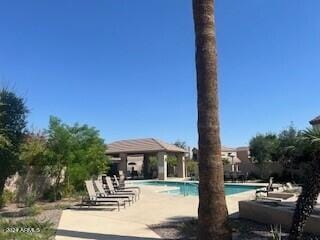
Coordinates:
(50,195)
(32,211)
(7,197)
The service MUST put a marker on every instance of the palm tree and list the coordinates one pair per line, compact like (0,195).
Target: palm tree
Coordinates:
(310,190)
(212,209)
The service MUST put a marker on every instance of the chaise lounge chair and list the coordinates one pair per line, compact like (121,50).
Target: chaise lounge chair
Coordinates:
(102,193)
(93,199)
(288,187)
(112,190)
(268,188)
(118,187)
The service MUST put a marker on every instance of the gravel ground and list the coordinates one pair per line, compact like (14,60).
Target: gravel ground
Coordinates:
(52,215)
(42,212)
(241,229)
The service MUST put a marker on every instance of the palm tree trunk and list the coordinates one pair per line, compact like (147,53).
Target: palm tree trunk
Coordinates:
(212,209)
(306,202)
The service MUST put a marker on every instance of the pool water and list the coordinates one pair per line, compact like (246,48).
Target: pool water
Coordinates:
(191,189)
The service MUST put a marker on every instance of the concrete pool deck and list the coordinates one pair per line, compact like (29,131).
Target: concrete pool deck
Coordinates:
(132,223)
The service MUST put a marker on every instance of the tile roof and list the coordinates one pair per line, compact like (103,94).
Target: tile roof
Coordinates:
(243,149)
(227,149)
(142,146)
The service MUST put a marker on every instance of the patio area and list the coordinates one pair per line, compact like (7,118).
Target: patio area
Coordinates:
(132,223)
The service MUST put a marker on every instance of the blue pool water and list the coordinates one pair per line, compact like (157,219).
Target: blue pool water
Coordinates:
(191,189)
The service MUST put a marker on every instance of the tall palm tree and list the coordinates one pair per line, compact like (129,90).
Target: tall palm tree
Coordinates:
(212,209)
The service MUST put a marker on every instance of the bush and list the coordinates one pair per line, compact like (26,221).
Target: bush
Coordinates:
(32,211)
(35,210)
(7,197)
(30,199)
(50,195)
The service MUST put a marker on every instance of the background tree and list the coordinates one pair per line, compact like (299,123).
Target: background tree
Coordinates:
(212,210)
(181,144)
(286,154)
(263,148)
(12,124)
(34,150)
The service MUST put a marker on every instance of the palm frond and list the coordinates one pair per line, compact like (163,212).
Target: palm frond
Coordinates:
(312,135)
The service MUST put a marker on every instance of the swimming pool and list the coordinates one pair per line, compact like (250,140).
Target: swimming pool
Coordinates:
(191,189)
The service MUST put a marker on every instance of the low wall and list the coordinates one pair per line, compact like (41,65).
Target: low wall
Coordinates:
(264,172)
(29,183)
(276,214)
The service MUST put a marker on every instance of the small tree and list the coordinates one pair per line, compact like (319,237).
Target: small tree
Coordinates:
(75,153)
(172,162)
(152,166)
(89,158)
(191,167)
(59,154)
(12,124)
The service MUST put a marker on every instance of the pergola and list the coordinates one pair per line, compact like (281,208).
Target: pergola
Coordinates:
(148,147)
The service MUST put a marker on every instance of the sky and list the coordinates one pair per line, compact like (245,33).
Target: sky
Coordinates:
(127,67)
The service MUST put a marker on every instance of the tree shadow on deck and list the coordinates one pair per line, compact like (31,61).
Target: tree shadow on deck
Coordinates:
(97,236)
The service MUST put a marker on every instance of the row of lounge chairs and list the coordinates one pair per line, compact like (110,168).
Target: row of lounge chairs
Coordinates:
(106,191)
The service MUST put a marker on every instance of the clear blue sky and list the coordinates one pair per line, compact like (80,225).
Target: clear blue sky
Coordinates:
(127,67)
